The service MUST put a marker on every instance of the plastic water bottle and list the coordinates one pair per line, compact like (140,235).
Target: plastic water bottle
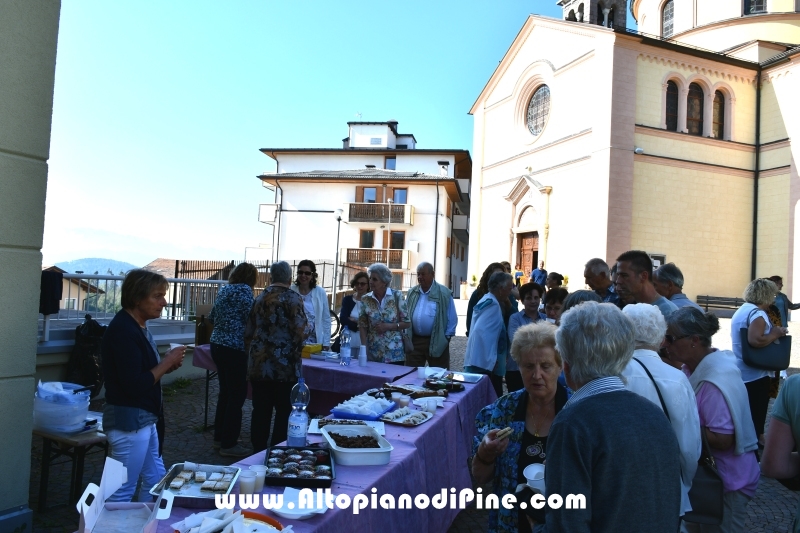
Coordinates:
(298,419)
(344,351)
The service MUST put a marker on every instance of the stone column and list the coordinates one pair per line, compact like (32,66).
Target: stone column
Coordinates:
(28,36)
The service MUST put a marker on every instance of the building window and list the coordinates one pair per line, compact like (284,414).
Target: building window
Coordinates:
(370,195)
(694,110)
(399,196)
(538,110)
(672,106)
(755,6)
(70,303)
(375,141)
(718,129)
(367,238)
(462,253)
(390,163)
(398,240)
(610,23)
(667,19)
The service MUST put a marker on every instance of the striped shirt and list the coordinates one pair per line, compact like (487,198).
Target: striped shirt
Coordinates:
(595,387)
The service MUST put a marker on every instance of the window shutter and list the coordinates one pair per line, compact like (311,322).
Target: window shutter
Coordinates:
(359,194)
(390,193)
(386,239)
(449,208)
(379,195)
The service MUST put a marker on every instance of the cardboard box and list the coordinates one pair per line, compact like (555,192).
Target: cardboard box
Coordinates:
(117,517)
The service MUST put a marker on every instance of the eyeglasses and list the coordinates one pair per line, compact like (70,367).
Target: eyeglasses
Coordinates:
(304,272)
(671,339)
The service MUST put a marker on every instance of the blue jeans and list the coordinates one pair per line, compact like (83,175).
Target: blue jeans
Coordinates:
(138,452)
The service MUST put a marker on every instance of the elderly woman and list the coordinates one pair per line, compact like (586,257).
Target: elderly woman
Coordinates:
(481,290)
(383,318)
(613,446)
(273,340)
(488,345)
(780,460)
(315,304)
(229,315)
(758,295)
(647,375)
(554,303)
(133,372)
(351,307)
(723,407)
(577,298)
(531,296)
(529,412)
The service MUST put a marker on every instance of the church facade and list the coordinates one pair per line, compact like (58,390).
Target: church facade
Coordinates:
(590,140)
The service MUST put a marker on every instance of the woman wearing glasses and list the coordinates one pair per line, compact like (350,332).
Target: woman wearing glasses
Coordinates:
(383,318)
(351,307)
(315,303)
(723,407)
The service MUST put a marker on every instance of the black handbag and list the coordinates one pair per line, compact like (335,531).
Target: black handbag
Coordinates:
(774,356)
(705,495)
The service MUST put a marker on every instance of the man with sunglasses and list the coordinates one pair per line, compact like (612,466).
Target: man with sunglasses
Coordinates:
(433,320)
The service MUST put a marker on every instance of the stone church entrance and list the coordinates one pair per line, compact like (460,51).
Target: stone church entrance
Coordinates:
(528,251)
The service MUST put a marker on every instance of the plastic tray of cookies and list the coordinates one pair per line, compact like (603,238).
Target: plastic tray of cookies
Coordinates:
(191,483)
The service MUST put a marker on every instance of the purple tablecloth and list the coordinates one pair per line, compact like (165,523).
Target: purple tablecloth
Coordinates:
(425,459)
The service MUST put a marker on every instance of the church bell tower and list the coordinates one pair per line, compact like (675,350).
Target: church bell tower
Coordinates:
(608,13)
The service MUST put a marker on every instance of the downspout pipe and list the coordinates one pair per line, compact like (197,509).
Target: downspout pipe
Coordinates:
(436,229)
(756,174)
(280,216)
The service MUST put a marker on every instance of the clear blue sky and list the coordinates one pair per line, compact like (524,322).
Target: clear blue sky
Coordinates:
(160,107)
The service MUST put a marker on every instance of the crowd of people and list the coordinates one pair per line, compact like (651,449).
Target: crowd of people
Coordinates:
(619,389)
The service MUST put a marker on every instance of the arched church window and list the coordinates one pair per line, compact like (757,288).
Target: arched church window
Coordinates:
(610,19)
(667,19)
(755,6)
(672,106)
(538,110)
(694,110)
(718,129)
(600,17)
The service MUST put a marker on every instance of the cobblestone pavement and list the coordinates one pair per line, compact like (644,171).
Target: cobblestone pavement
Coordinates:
(772,510)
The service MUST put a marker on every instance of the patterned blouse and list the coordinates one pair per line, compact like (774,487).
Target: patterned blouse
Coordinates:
(274,336)
(386,347)
(229,315)
(507,411)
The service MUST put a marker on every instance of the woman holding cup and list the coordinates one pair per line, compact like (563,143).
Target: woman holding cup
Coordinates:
(502,456)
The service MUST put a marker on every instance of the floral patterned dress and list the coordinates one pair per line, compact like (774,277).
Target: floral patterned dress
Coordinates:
(274,336)
(383,347)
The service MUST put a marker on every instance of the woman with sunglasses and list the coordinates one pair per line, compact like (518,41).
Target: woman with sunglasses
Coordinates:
(351,307)
(315,302)
(723,407)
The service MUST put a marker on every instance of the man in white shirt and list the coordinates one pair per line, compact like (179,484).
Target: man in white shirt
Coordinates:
(433,320)
(676,391)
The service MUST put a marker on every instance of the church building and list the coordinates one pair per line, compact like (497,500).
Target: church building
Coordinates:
(591,139)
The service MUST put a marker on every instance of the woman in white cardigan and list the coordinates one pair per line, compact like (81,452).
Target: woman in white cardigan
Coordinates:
(315,301)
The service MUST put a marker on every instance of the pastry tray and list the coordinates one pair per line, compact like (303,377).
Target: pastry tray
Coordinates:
(302,483)
(314,429)
(190,495)
(402,421)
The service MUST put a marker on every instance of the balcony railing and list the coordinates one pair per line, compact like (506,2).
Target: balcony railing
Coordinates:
(398,259)
(379,213)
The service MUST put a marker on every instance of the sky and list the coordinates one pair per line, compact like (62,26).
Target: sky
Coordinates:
(160,108)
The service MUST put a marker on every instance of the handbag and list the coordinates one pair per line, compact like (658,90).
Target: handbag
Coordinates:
(774,356)
(408,346)
(705,496)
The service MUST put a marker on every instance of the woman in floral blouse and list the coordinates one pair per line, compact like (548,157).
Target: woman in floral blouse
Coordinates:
(229,315)
(383,318)
(529,413)
(273,339)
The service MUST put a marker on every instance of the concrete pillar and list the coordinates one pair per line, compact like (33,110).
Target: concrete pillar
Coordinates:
(28,36)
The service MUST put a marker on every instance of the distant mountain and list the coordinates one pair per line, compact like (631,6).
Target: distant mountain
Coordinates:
(95,264)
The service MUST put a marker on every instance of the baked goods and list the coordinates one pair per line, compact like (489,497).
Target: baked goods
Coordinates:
(208,485)
(358,441)
(503,433)
(200,477)
(177,483)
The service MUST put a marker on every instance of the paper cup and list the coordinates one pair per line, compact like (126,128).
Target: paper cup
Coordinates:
(403,401)
(431,405)
(261,472)
(172,345)
(421,372)
(247,482)
(535,475)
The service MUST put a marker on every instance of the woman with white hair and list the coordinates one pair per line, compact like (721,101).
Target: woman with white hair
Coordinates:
(612,445)
(383,317)
(667,387)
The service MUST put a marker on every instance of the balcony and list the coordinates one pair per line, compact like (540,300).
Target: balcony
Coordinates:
(398,259)
(461,227)
(401,214)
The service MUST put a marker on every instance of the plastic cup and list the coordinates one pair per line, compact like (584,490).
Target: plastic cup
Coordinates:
(403,401)
(396,397)
(431,405)
(421,372)
(261,473)
(173,345)
(247,482)
(535,475)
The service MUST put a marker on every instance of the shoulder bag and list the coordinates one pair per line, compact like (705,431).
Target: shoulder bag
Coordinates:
(706,492)
(774,356)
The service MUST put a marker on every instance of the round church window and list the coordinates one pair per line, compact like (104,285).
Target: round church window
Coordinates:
(538,110)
